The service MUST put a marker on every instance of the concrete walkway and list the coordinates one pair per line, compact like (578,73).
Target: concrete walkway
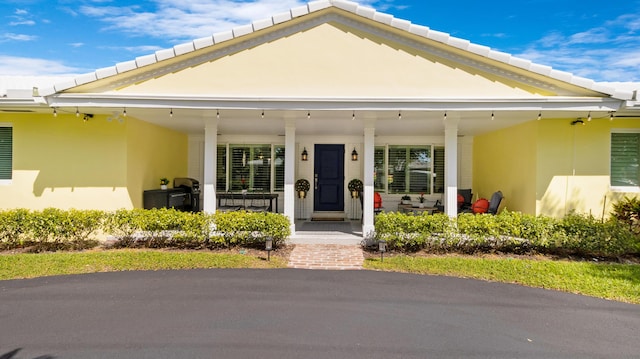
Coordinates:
(327,245)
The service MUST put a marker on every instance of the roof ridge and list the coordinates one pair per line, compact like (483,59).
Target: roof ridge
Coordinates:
(352,7)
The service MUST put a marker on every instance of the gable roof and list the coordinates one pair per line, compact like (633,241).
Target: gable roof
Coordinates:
(126,73)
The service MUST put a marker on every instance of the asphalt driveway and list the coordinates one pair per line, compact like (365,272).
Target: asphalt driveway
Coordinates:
(288,313)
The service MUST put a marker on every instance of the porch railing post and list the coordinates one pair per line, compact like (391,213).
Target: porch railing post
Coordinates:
(210,157)
(451,165)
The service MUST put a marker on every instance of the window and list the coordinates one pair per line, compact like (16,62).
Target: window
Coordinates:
(6,153)
(625,154)
(409,169)
(250,167)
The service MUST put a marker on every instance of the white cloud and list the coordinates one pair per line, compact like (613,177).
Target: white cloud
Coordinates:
(22,22)
(24,66)
(607,52)
(16,37)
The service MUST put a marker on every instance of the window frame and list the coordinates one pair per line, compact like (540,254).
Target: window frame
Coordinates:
(228,148)
(8,181)
(408,147)
(617,188)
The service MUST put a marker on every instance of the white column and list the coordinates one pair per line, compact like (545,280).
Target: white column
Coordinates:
(451,166)
(210,157)
(290,172)
(369,151)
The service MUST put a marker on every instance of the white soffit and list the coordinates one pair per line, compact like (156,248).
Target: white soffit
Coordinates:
(357,10)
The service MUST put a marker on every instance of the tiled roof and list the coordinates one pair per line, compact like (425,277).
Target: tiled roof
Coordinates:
(358,10)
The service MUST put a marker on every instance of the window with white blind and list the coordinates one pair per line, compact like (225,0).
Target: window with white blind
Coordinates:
(409,169)
(625,155)
(256,167)
(6,153)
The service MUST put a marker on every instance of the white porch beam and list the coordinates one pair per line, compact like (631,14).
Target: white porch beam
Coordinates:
(210,157)
(367,200)
(451,166)
(289,172)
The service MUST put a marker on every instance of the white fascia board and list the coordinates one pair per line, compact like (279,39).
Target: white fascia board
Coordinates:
(146,60)
(299,11)
(318,5)
(165,54)
(262,24)
(222,36)
(383,104)
(106,72)
(383,18)
(282,17)
(203,42)
(85,78)
(126,66)
(185,48)
(364,11)
(242,30)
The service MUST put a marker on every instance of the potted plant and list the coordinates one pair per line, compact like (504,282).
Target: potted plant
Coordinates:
(163,183)
(421,198)
(302,187)
(355,187)
(406,199)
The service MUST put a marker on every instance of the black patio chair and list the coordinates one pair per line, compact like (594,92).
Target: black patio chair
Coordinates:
(494,202)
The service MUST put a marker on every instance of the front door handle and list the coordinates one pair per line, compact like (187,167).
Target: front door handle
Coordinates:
(315,181)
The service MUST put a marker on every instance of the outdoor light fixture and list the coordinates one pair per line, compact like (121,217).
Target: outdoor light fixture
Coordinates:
(611,116)
(354,155)
(218,114)
(171,113)
(268,246)
(77,112)
(492,116)
(304,156)
(539,116)
(445,116)
(262,115)
(399,115)
(55,112)
(578,121)
(308,115)
(382,247)
(353,117)
(124,112)
(589,116)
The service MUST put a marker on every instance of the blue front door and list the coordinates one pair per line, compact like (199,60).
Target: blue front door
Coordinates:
(328,178)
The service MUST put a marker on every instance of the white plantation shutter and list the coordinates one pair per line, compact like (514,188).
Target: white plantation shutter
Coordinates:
(6,152)
(625,152)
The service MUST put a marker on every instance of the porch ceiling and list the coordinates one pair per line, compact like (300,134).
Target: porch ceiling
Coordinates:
(336,122)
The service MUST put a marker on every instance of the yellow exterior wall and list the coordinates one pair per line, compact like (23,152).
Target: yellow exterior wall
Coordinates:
(66,163)
(153,152)
(331,60)
(505,161)
(549,167)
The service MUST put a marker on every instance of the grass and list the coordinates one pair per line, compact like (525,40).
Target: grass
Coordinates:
(16,266)
(620,282)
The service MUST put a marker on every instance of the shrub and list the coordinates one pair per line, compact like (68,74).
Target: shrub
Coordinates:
(627,211)
(12,227)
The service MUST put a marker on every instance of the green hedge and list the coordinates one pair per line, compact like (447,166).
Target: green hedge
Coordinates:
(510,232)
(53,228)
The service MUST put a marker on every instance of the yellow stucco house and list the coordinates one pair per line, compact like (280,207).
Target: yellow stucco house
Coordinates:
(362,94)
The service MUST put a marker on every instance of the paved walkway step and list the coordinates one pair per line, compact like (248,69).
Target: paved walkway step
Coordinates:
(326,256)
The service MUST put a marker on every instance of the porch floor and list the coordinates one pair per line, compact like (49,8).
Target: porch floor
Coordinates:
(327,245)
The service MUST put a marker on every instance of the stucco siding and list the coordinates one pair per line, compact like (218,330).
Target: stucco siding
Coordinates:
(65,162)
(574,166)
(153,152)
(330,60)
(505,161)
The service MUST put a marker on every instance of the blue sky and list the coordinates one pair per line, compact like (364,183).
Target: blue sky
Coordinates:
(599,39)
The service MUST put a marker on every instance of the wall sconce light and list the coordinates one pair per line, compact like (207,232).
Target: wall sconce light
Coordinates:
(304,156)
(268,246)
(354,155)
(578,121)
(382,247)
